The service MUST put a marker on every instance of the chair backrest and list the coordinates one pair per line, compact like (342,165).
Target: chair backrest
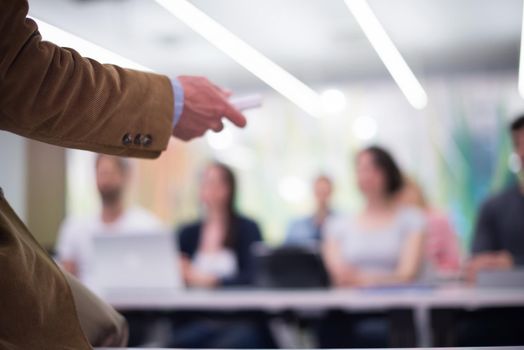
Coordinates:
(290,267)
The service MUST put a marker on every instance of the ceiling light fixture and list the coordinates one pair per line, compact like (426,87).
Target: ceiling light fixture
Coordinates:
(333,101)
(245,55)
(85,48)
(388,53)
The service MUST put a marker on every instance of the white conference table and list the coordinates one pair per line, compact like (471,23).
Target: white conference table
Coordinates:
(419,299)
(457,348)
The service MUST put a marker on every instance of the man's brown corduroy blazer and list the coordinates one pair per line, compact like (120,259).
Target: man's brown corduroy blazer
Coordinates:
(54,95)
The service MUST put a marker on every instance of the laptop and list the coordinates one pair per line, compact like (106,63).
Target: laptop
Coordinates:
(136,263)
(501,278)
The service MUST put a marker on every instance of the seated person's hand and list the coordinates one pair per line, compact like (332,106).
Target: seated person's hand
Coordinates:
(501,260)
(205,104)
(368,280)
(343,276)
(194,277)
(185,266)
(201,280)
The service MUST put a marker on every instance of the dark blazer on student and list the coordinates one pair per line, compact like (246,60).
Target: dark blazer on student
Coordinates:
(246,233)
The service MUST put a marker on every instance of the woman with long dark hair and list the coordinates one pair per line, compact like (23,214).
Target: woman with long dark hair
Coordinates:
(216,249)
(217,252)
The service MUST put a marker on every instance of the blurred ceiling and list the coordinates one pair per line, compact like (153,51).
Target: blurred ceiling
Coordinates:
(316,40)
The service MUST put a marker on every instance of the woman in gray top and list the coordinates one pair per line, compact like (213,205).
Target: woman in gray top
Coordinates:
(383,243)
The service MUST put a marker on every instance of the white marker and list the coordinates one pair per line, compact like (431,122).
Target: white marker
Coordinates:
(246,102)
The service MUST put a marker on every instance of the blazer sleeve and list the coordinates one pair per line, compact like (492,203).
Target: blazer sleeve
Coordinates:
(54,95)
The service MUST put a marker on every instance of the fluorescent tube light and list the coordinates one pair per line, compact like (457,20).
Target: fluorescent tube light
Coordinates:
(84,47)
(245,55)
(388,53)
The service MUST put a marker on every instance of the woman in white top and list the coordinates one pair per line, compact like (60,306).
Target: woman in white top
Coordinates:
(383,243)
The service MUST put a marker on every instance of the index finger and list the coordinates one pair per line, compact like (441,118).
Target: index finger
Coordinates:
(234,115)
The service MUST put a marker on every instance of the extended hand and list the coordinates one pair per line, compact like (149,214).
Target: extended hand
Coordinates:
(205,104)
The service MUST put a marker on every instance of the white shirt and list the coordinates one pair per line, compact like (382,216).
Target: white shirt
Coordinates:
(75,238)
(221,264)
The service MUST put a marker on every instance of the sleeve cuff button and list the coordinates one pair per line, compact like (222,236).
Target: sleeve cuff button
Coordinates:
(138,140)
(147,140)
(127,139)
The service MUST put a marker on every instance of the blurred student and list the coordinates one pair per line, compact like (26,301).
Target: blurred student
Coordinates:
(383,243)
(216,249)
(75,247)
(380,245)
(442,247)
(217,252)
(498,242)
(308,230)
